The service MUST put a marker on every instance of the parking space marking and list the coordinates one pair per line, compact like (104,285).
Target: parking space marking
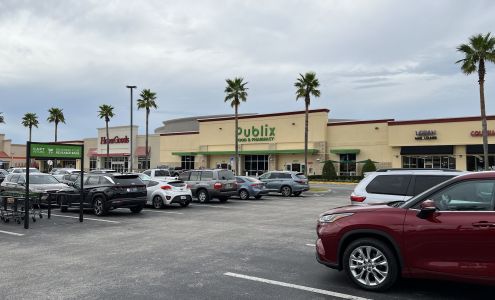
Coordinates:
(163,212)
(99,220)
(12,233)
(295,286)
(209,205)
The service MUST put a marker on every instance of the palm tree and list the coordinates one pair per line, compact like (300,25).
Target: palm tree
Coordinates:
(30,120)
(307,86)
(479,50)
(106,112)
(147,101)
(56,116)
(235,92)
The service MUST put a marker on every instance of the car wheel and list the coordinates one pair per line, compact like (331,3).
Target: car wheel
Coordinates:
(99,206)
(157,202)
(223,199)
(258,197)
(244,194)
(371,264)
(286,191)
(203,196)
(137,209)
(297,194)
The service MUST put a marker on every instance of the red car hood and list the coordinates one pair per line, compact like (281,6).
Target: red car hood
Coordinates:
(356,208)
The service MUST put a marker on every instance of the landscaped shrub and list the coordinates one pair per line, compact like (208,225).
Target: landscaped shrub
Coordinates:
(369,166)
(329,172)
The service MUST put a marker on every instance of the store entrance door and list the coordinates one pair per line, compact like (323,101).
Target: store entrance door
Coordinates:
(118,166)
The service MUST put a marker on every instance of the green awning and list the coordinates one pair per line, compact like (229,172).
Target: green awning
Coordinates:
(248,152)
(345,151)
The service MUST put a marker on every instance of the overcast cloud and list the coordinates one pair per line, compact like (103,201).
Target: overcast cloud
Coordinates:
(375,59)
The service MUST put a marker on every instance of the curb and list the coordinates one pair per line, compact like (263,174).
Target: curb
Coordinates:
(332,182)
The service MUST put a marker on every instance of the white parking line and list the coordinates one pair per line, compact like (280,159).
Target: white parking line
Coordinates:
(163,212)
(310,245)
(209,205)
(295,286)
(99,220)
(11,233)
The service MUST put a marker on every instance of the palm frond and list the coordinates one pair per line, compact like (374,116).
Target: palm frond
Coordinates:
(30,120)
(235,91)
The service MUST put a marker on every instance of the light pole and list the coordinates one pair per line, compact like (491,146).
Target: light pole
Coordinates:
(131,87)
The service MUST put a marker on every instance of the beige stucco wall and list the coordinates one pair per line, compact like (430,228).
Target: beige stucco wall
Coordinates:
(177,143)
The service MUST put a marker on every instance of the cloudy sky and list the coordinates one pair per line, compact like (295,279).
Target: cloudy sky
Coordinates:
(374,59)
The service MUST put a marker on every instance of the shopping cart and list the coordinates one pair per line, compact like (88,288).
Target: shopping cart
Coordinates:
(12,206)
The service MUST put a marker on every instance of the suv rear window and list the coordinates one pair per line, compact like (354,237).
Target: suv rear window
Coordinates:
(162,173)
(389,185)
(184,176)
(285,175)
(225,175)
(425,182)
(127,180)
(301,176)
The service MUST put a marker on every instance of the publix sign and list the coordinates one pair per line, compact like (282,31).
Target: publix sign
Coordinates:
(262,133)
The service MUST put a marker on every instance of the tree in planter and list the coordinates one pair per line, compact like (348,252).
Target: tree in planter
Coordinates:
(369,166)
(329,172)
(147,102)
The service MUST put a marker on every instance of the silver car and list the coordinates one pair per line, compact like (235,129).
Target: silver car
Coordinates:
(285,182)
(38,183)
(209,184)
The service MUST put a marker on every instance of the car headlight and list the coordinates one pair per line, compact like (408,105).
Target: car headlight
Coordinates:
(333,217)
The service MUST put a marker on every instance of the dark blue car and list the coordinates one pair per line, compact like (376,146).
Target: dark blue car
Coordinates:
(250,187)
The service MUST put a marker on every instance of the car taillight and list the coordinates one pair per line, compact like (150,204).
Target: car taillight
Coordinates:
(217,186)
(357,198)
(188,186)
(301,181)
(166,187)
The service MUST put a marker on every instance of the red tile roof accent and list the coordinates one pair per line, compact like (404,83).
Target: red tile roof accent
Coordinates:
(141,151)
(3,155)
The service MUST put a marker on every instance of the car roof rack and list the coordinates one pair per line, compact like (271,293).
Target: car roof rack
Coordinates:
(417,169)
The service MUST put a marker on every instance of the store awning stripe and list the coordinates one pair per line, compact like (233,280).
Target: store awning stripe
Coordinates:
(426,150)
(478,149)
(345,151)
(248,152)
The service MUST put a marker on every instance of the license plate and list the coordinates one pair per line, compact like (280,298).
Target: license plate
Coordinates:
(183,197)
(132,189)
(228,185)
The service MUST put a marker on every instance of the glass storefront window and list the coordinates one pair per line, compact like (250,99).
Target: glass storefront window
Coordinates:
(255,164)
(347,164)
(92,163)
(429,162)
(475,162)
(187,162)
(143,164)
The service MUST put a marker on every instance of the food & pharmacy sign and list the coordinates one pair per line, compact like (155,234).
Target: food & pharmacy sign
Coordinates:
(263,133)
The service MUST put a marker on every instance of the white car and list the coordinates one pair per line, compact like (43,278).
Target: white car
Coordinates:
(390,185)
(23,170)
(160,174)
(162,192)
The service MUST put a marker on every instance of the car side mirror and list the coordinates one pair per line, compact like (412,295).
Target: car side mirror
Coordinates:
(427,209)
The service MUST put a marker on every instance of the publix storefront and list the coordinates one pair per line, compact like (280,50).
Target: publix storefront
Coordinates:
(276,142)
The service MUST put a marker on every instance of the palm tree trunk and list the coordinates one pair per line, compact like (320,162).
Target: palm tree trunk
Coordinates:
(481,74)
(236,158)
(146,144)
(30,127)
(55,161)
(106,165)
(306,137)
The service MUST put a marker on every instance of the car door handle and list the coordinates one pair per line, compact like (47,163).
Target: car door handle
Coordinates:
(484,224)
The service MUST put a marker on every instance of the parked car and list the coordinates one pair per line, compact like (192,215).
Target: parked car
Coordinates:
(71,177)
(209,184)
(104,192)
(38,183)
(160,174)
(390,185)
(3,174)
(60,172)
(250,187)
(285,182)
(446,232)
(161,193)
(103,171)
(23,170)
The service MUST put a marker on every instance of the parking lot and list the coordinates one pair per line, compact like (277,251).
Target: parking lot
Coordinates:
(254,249)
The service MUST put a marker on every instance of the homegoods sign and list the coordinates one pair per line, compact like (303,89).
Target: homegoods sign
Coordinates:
(263,133)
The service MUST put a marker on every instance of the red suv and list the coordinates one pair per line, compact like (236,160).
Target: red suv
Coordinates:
(446,232)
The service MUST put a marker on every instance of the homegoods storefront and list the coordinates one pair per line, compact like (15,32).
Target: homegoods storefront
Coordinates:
(276,142)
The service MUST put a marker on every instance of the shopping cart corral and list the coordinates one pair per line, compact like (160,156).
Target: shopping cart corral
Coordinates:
(12,206)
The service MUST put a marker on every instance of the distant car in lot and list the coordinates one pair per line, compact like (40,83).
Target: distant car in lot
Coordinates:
(103,171)
(250,187)
(104,192)
(208,184)
(3,174)
(388,185)
(446,232)
(38,183)
(160,174)
(60,172)
(161,193)
(23,170)
(285,182)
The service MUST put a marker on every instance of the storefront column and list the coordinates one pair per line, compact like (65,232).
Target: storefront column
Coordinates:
(396,158)
(460,157)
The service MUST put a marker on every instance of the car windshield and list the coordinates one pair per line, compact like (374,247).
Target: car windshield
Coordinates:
(421,195)
(42,179)
(127,180)
(144,177)
(162,173)
(3,172)
(225,175)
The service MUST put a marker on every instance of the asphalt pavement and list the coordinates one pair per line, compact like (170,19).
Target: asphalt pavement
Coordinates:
(251,249)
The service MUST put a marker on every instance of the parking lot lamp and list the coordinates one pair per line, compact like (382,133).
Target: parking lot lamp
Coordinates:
(131,87)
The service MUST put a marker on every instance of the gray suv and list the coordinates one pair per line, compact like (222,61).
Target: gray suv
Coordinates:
(209,184)
(285,182)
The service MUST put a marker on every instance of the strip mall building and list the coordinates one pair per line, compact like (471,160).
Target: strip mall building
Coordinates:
(276,142)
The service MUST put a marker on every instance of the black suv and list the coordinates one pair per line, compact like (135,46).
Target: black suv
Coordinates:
(104,192)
